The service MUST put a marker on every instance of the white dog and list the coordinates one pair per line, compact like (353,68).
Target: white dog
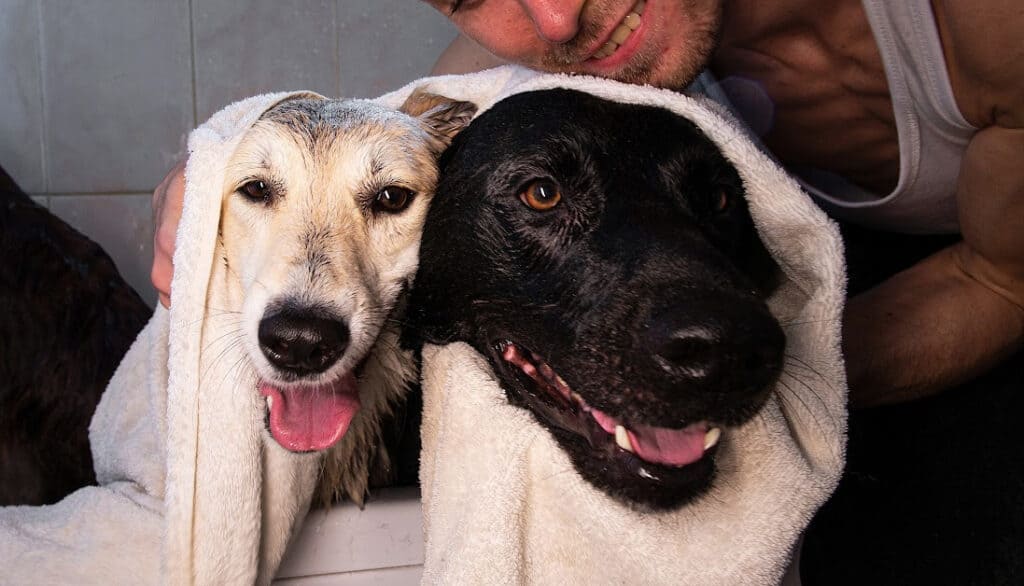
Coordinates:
(319,235)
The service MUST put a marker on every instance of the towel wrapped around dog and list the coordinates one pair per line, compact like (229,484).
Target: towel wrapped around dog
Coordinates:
(501,501)
(189,491)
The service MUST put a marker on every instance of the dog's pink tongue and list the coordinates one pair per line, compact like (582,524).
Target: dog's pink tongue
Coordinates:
(671,447)
(660,445)
(312,418)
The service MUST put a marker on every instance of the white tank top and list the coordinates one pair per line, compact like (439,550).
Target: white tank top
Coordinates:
(932,132)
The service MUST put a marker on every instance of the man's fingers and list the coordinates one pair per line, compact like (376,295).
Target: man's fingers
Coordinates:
(168,198)
(162,272)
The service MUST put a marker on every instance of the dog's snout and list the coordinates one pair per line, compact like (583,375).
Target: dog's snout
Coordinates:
(302,344)
(718,346)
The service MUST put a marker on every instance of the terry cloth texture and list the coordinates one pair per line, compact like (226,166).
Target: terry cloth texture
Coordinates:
(501,503)
(189,492)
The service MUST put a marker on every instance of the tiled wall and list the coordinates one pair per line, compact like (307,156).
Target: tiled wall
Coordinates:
(97,96)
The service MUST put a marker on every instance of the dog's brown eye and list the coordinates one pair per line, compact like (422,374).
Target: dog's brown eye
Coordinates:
(723,201)
(392,199)
(256,190)
(541,195)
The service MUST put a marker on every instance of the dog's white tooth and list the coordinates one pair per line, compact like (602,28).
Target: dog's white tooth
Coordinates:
(622,438)
(270,402)
(711,437)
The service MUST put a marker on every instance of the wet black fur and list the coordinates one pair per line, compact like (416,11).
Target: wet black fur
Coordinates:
(67,318)
(636,250)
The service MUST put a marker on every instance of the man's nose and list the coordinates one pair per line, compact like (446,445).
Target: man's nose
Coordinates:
(556,21)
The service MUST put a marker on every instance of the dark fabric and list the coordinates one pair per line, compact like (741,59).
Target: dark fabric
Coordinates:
(933,492)
(66,319)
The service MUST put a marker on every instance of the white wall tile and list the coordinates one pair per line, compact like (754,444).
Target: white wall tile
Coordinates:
(384,44)
(122,225)
(118,92)
(21,112)
(243,48)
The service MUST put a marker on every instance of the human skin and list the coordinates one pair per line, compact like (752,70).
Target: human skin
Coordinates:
(941,322)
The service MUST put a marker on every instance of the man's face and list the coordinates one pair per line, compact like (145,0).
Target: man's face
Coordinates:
(660,42)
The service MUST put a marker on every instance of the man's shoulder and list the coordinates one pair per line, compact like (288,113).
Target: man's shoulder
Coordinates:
(984,46)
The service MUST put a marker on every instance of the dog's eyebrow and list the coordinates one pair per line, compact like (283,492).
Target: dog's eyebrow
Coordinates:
(376,165)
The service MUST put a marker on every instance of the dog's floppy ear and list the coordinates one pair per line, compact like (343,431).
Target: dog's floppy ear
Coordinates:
(443,117)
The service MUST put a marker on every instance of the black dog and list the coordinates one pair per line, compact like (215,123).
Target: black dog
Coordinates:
(67,318)
(602,257)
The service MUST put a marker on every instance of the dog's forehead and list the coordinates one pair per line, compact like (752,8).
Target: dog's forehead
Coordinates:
(567,133)
(315,119)
(322,131)
(563,113)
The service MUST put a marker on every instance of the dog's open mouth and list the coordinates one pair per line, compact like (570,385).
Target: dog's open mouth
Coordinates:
(311,418)
(666,449)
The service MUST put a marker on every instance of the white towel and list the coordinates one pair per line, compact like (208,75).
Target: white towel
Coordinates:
(189,492)
(500,502)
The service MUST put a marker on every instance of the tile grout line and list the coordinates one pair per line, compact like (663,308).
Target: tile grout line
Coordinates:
(44,166)
(192,66)
(68,194)
(337,49)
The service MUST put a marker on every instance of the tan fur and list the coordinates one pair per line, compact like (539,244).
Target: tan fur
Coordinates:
(318,241)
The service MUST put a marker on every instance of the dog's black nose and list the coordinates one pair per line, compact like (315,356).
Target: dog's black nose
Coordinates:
(300,343)
(718,345)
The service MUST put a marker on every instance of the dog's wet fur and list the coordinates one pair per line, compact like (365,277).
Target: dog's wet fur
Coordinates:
(319,237)
(641,289)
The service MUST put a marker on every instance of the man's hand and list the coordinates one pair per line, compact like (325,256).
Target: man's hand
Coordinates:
(167,201)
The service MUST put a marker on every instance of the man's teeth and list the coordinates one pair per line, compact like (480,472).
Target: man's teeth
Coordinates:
(622,438)
(622,32)
(711,437)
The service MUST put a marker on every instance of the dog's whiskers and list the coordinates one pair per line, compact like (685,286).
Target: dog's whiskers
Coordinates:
(218,360)
(792,324)
(788,400)
(802,365)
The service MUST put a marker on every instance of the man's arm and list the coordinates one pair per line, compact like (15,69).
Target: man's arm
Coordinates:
(463,55)
(960,311)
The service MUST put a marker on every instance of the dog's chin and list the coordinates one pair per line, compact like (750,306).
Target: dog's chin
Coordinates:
(642,466)
(311,416)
